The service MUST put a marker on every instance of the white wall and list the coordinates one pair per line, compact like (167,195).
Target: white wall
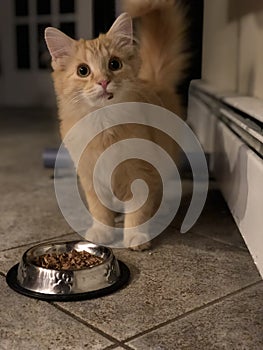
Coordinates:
(233,45)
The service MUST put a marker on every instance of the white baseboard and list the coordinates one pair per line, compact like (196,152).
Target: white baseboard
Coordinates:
(236,160)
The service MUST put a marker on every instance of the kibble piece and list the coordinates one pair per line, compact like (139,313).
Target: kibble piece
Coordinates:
(72,260)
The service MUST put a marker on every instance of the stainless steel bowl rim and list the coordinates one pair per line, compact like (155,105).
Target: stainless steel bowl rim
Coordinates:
(31,249)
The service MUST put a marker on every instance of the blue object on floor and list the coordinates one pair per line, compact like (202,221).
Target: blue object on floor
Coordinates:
(49,158)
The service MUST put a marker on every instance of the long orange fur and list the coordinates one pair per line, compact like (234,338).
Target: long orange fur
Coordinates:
(150,72)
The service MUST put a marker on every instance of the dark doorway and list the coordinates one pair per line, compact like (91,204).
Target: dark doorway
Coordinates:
(103,16)
(195,15)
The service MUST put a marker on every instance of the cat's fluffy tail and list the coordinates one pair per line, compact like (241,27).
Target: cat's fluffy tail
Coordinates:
(163,40)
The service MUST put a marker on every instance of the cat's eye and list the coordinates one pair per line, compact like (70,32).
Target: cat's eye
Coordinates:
(115,64)
(83,70)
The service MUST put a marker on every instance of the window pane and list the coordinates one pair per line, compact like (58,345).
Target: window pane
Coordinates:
(43,7)
(66,6)
(21,7)
(22,47)
(68,28)
(43,54)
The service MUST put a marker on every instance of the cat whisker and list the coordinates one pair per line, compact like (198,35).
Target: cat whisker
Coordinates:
(76,99)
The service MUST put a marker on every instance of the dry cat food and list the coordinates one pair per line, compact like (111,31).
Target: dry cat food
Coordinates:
(72,260)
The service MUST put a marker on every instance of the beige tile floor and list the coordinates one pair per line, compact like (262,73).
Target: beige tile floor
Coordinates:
(200,290)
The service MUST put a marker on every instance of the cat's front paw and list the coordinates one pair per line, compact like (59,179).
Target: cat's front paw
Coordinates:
(141,247)
(137,242)
(100,236)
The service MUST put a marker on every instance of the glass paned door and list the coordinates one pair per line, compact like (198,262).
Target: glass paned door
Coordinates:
(25,62)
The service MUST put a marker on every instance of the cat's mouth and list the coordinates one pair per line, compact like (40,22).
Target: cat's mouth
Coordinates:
(107,95)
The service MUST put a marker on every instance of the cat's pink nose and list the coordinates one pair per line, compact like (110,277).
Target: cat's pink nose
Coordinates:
(104,83)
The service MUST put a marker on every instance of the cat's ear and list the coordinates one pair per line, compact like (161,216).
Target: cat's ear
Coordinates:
(121,31)
(60,46)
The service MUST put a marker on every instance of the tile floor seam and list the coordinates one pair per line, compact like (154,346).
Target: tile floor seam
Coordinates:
(124,346)
(218,241)
(37,242)
(190,312)
(88,325)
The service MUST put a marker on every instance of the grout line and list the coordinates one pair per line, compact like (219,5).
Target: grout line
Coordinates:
(197,309)
(37,242)
(93,328)
(122,345)
(111,347)
(244,249)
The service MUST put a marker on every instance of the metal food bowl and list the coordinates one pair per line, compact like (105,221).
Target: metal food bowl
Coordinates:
(67,285)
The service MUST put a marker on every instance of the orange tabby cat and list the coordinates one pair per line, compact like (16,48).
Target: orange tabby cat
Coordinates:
(90,74)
